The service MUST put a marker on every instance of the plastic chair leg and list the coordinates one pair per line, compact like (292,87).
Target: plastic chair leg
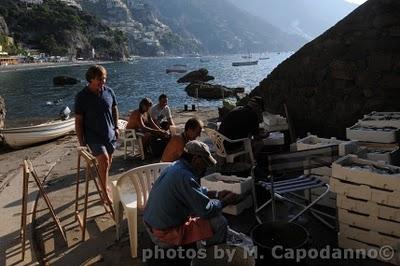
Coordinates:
(117,209)
(131,215)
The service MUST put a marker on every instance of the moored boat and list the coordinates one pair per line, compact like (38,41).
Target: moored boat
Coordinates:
(245,63)
(178,68)
(25,136)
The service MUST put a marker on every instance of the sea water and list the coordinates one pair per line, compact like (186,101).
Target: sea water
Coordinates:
(30,94)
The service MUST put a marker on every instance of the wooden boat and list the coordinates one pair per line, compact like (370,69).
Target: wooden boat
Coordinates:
(245,63)
(178,68)
(24,136)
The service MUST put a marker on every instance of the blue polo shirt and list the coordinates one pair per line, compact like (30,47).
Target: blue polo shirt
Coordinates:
(175,196)
(98,123)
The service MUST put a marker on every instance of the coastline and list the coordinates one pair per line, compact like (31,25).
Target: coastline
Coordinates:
(31,66)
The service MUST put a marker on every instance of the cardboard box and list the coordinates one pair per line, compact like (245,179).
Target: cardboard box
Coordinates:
(218,182)
(373,134)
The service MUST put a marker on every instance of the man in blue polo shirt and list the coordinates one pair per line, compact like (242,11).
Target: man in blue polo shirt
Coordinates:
(96,120)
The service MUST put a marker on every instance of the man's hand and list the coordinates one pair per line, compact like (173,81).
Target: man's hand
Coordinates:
(117,133)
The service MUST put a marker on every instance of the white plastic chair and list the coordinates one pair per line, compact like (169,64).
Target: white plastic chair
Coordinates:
(131,191)
(218,141)
(130,136)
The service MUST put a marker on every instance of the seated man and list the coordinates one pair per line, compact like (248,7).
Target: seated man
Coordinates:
(179,211)
(161,114)
(175,146)
(141,121)
(242,122)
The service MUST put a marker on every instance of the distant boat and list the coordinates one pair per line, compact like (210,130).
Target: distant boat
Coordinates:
(245,63)
(24,136)
(177,68)
(263,58)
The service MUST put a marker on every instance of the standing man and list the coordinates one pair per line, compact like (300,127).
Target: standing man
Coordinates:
(179,211)
(161,113)
(96,120)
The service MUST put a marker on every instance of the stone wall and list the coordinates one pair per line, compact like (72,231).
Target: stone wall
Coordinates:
(350,70)
(2,112)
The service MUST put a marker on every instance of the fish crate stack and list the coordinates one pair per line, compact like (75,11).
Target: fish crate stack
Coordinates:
(378,135)
(325,173)
(377,127)
(368,202)
(242,186)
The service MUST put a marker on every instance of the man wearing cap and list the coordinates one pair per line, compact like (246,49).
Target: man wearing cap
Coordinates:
(179,211)
(242,122)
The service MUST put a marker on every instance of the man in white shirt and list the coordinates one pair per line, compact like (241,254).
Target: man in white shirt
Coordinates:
(161,113)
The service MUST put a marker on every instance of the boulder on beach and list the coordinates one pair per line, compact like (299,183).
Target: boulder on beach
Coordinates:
(200,75)
(65,80)
(2,112)
(211,91)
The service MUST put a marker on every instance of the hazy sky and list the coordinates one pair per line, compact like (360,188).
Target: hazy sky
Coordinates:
(359,2)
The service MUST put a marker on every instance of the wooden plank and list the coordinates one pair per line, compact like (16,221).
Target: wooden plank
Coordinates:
(368,207)
(369,222)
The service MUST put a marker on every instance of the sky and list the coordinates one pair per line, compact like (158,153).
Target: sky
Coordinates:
(359,2)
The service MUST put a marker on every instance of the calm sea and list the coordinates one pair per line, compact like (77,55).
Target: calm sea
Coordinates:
(30,94)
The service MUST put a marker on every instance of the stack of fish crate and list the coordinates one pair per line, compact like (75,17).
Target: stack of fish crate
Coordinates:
(325,173)
(378,127)
(368,202)
(380,141)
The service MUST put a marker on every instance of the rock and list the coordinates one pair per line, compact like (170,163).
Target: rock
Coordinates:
(200,75)
(350,70)
(2,112)
(64,80)
(3,27)
(210,91)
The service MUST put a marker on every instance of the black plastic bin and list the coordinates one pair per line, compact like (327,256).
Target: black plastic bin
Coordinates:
(281,235)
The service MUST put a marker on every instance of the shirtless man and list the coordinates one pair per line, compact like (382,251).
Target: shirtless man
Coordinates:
(141,121)
(175,146)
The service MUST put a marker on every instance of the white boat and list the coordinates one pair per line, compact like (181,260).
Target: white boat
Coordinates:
(24,136)
(245,63)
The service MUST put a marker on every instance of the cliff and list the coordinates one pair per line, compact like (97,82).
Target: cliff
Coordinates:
(350,70)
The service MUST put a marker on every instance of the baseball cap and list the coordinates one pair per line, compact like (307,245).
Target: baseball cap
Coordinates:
(199,148)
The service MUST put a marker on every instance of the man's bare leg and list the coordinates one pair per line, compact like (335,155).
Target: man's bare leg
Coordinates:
(104,161)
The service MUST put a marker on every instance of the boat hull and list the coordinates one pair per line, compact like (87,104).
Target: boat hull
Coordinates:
(246,63)
(25,136)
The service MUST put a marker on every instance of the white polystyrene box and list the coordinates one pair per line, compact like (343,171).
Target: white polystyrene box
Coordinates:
(381,119)
(373,134)
(313,142)
(374,174)
(240,207)
(218,182)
